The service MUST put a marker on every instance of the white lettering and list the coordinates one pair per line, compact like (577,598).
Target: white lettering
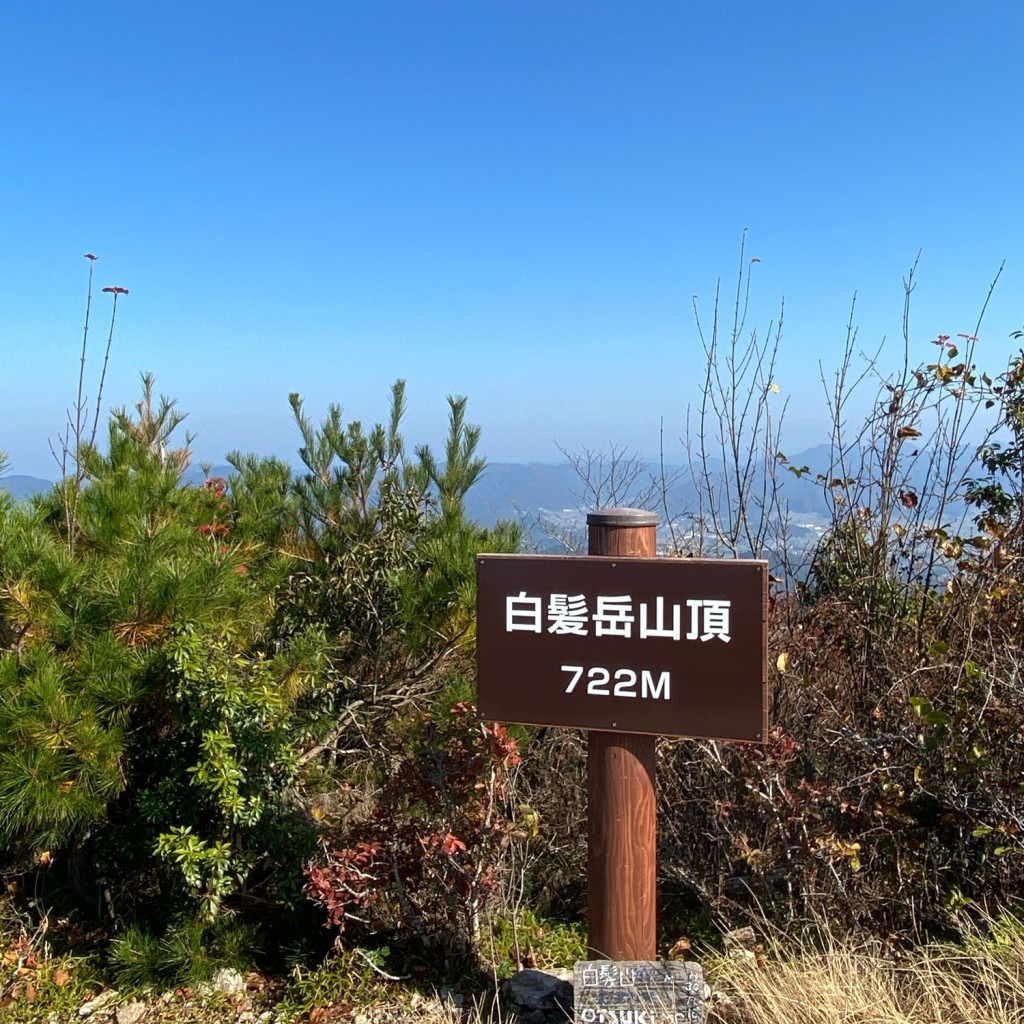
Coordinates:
(649,689)
(567,614)
(598,685)
(709,620)
(577,671)
(614,616)
(625,683)
(522,614)
(659,628)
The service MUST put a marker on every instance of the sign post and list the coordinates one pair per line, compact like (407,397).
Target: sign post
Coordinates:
(630,647)
(622,904)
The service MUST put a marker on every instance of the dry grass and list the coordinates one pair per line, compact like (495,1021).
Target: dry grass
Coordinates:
(821,978)
(824,980)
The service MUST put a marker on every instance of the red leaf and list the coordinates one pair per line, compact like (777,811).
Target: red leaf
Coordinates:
(451,844)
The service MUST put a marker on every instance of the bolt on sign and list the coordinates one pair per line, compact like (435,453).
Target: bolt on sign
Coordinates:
(671,647)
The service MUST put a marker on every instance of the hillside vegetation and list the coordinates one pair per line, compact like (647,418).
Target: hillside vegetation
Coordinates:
(237,725)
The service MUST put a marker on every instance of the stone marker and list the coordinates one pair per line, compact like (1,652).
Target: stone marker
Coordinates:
(639,992)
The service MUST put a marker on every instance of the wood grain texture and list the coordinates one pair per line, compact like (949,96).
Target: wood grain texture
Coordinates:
(623,533)
(622,902)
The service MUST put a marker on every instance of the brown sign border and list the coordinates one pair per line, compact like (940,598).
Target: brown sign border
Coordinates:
(728,702)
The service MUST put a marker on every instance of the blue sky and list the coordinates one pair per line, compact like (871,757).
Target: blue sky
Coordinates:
(514,201)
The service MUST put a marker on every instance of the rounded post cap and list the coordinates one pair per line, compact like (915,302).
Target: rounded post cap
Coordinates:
(622,517)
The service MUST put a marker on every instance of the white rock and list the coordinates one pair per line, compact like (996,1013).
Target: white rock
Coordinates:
(130,1013)
(226,981)
(103,1000)
(741,938)
(450,997)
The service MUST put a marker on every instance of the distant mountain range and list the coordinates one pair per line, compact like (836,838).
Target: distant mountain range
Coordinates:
(505,488)
(512,489)
(24,486)
(551,500)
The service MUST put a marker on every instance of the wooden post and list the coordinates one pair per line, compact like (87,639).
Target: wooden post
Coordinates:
(622,903)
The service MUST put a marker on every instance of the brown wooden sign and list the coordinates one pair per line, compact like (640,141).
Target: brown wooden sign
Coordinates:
(670,647)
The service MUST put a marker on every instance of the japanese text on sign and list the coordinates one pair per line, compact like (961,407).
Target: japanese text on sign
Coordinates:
(614,615)
(640,973)
(639,992)
(671,647)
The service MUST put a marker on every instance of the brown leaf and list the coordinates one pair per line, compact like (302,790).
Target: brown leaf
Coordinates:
(61,977)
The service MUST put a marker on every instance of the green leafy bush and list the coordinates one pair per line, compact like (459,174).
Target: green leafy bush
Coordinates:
(186,672)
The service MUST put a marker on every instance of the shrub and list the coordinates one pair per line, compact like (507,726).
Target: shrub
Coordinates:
(426,857)
(888,791)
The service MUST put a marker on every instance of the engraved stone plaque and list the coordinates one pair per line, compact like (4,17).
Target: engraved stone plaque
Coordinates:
(639,992)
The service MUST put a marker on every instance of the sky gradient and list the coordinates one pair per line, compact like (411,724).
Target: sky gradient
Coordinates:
(515,201)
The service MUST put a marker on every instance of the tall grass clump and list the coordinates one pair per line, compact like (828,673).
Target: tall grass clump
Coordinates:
(824,977)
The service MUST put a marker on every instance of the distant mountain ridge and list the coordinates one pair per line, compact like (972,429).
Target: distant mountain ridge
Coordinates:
(20,486)
(508,489)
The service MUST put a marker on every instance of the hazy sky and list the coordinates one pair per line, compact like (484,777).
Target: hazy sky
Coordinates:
(512,200)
